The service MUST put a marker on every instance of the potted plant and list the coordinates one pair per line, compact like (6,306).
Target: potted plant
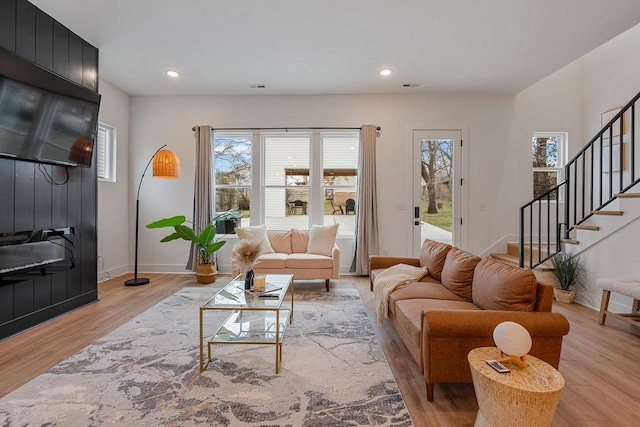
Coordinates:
(204,240)
(567,269)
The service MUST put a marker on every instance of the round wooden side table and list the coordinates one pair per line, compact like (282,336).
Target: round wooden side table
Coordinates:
(523,397)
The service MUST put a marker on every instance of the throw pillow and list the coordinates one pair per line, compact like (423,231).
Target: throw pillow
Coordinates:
(321,239)
(498,286)
(458,270)
(257,232)
(432,256)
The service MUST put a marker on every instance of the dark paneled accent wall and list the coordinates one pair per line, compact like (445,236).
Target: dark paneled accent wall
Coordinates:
(29,201)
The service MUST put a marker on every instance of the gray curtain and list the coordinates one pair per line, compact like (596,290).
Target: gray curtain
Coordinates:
(202,189)
(367,205)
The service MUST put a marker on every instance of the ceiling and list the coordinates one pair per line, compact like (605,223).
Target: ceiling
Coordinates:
(338,46)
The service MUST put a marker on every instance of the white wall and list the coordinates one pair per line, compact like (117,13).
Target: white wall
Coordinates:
(113,197)
(168,120)
(497,130)
(611,79)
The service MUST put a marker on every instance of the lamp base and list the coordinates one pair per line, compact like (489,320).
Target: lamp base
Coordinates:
(136,282)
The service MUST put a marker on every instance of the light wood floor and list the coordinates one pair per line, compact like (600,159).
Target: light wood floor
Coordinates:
(599,363)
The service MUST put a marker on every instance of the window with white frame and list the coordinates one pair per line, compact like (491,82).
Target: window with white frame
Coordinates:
(305,178)
(232,173)
(106,152)
(548,156)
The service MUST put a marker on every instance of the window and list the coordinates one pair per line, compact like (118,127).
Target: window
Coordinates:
(232,177)
(340,180)
(106,153)
(548,157)
(297,179)
(287,202)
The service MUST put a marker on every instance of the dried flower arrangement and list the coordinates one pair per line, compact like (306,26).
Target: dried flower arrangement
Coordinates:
(244,255)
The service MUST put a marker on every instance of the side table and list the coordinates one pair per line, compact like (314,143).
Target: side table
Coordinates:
(523,397)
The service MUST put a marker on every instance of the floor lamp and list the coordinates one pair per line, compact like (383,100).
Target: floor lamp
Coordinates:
(165,165)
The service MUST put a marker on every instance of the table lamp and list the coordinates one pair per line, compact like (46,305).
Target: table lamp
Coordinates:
(513,341)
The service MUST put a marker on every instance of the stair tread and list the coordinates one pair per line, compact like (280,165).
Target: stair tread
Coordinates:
(570,241)
(514,260)
(627,195)
(586,227)
(512,248)
(618,213)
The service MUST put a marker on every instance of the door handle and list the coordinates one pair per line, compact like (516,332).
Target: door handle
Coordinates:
(416,212)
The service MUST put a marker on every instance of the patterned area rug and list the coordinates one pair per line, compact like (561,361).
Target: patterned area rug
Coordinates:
(145,373)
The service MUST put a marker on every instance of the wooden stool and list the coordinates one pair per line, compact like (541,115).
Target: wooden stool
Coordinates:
(523,397)
(628,287)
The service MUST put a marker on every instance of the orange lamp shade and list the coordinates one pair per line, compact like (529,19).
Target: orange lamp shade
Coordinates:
(81,151)
(166,165)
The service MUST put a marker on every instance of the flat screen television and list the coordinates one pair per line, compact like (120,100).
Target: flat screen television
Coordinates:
(44,117)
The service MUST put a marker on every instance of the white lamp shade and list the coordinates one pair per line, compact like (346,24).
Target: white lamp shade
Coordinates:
(512,339)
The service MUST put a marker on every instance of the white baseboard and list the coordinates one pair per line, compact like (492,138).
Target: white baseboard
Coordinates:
(112,272)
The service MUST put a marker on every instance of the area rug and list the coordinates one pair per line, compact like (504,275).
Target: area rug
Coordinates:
(145,373)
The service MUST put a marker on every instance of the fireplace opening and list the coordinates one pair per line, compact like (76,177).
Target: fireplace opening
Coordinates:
(36,250)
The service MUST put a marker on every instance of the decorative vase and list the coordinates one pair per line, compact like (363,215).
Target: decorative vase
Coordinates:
(564,296)
(206,273)
(248,280)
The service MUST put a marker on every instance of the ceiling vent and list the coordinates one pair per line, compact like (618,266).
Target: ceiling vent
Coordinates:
(257,86)
(410,85)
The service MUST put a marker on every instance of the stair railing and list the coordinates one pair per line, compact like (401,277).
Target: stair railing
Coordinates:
(603,168)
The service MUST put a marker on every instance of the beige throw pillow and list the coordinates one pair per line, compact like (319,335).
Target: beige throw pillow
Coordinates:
(257,232)
(321,239)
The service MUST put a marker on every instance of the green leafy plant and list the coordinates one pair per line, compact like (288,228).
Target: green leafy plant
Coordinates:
(204,240)
(567,269)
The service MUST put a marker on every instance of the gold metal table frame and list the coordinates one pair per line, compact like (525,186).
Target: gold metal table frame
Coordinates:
(253,319)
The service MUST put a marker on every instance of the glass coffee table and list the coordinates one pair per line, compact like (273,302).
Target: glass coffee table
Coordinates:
(257,317)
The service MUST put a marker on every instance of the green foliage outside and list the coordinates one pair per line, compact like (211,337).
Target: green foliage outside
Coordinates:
(442,219)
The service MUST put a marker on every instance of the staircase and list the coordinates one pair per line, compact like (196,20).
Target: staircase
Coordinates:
(597,198)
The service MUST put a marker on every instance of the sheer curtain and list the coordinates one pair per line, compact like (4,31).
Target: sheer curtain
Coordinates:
(202,189)
(366,212)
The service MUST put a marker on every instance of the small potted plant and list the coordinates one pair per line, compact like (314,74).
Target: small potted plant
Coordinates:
(204,240)
(567,269)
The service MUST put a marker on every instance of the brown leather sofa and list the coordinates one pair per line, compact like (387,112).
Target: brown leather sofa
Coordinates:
(457,305)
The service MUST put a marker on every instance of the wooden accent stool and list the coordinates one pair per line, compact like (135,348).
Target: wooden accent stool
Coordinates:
(627,287)
(523,397)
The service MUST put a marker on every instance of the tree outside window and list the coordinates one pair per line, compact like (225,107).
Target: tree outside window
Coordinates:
(547,158)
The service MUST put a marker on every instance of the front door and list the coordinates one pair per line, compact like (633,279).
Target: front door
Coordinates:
(437,186)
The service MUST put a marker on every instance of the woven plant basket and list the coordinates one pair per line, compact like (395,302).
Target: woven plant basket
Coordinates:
(564,296)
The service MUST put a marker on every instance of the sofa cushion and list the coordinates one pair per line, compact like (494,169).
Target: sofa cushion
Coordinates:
(309,261)
(409,314)
(280,241)
(271,261)
(321,239)
(432,256)
(299,241)
(457,273)
(258,233)
(498,286)
(422,290)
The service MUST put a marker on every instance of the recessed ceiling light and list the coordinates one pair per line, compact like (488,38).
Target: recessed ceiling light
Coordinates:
(386,72)
(172,73)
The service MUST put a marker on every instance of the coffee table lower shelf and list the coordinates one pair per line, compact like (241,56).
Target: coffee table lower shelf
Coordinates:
(258,327)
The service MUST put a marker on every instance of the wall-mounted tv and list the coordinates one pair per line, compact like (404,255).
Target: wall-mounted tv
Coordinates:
(44,117)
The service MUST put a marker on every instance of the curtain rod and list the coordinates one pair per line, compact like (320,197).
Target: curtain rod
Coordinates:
(287,129)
